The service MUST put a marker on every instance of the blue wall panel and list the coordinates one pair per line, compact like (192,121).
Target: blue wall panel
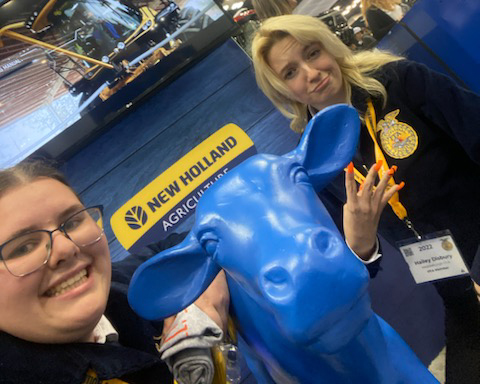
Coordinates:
(443,34)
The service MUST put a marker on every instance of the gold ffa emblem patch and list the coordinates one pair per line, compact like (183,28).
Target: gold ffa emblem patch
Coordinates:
(447,245)
(399,140)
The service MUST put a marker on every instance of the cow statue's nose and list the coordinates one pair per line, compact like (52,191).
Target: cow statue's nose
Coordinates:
(311,282)
(325,241)
(277,283)
(319,241)
(305,253)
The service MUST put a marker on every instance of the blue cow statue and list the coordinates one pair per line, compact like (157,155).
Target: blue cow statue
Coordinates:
(299,296)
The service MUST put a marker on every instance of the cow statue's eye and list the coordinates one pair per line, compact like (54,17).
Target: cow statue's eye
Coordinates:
(210,246)
(209,243)
(300,176)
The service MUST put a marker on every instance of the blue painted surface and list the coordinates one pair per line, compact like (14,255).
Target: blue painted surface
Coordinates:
(414,311)
(298,295)
(448,28)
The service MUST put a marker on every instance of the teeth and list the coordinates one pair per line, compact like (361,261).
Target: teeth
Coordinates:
(69,284)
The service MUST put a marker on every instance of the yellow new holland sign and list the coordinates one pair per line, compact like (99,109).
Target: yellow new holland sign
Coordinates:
(154,212)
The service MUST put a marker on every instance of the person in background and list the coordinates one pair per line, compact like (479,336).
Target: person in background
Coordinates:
(419,122)
(362,41)
(65,316)
(269,8)
(381,15)
(335,20)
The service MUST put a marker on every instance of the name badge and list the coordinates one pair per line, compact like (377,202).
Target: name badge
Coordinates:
(434,257)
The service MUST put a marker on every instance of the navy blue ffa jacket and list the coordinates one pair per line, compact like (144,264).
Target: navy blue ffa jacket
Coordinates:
(379,22)
(429,129)
(133,359)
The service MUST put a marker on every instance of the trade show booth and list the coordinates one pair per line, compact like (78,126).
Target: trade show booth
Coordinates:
(119,91)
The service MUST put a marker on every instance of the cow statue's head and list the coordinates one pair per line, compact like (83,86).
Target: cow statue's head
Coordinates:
(298,294)
(265,226)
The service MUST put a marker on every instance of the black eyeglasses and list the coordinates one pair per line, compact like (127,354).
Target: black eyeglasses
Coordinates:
(29,251)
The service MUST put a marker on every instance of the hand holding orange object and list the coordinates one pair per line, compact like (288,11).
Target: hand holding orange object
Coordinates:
(214,302)
(364,206)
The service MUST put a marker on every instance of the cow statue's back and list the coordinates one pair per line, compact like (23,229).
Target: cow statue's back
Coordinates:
(299,297)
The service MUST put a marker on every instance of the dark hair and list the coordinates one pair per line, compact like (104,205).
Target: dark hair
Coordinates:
(28,171)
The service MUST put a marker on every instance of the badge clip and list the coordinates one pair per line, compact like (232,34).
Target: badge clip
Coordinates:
(410,226)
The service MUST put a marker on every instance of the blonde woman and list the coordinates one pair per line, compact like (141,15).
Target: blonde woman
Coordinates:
(381,15)
(424,129)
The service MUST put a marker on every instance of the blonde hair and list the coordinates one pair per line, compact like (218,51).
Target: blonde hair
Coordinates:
(356,68)
(384,5)
(270,8)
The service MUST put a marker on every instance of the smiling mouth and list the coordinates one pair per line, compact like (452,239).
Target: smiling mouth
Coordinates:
(69,284)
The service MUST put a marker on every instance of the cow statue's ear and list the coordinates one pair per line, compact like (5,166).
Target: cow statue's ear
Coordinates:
(328,143)
(171,280)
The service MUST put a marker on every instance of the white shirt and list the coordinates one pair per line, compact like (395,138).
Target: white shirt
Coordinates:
(104,331)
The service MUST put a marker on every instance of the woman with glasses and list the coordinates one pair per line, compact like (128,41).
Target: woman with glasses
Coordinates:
(64,313)
(417,125)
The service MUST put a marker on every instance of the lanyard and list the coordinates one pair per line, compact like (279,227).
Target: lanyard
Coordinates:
(394,202)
